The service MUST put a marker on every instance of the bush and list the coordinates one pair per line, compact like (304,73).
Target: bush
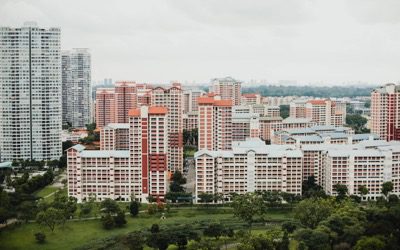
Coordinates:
(120,219)
(134,208)
(40,237)
(107,221)
(152,209)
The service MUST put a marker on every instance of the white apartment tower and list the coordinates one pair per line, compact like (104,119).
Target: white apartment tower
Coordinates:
(30,93)
(76,87)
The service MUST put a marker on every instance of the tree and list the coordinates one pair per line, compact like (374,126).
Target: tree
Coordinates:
(109,206)
(310,212)
(119,219)
(4,215)
(205,198)
(248,205)
(284,244)
(177,180)
(363,190)
(357,122)
(310,188)
(134,208)
(215,230)
(151,209)
(135,240)
(27,210)
(284,111)
(341,191)
(50,218)
(107,221)
(40,237)
(369,243)
(90,128)
(313,239)
(66,145)
(257,242)
(155,228)
(159,240)
(387,187)
(289,226)
(67,204)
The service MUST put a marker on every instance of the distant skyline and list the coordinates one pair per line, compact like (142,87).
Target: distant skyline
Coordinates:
(308,41)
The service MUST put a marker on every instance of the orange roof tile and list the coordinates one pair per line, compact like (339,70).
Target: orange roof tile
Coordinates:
(157,110)
(223,102)
(317,102)
(134,112)
(205,100)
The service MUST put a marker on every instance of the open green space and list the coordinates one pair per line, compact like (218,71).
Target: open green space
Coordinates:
(77,233)
(46,191)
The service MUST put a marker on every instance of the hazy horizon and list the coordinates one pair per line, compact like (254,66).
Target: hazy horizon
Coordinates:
(309,41)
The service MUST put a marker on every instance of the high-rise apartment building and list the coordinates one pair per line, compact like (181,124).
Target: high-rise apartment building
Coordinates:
(385,112)
(117,173)
(215,123)
(76,87)
(190,97)
(149,147)
(245,125)
(114,136)
(105,106)
(30,93)
(228,88)
(125,100)
(113,104)
(171,98)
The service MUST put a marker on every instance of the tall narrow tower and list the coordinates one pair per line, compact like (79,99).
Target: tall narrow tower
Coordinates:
(30,93)
(76,87)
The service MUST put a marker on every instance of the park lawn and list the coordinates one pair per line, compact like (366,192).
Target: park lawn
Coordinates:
(46,191)
(77,233)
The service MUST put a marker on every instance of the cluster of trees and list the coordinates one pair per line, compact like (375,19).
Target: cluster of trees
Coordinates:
(27,185)
(112,214)
(315,91)
(190,137)
(22,202)
(177,192)
(326,222)
(284,111)
(56,213)
(357,122)
(92,134)
(343,224)
(157,237)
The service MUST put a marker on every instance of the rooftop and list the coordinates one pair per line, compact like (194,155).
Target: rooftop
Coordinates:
(105,153)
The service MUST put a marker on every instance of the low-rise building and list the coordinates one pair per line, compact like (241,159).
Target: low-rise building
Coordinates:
(250,166)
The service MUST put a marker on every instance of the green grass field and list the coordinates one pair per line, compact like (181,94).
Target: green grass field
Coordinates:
(46,191)
(77,233)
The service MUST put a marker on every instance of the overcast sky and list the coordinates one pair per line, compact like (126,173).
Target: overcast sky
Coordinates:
(187,40)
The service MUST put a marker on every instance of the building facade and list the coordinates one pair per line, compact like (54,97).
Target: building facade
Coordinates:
(76,87)
(30,93)
(140,171)
(228,88)
(114,136)
(249,166)
(105,106)
(385,112)
(171,98)
(113,104)
(215,123)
